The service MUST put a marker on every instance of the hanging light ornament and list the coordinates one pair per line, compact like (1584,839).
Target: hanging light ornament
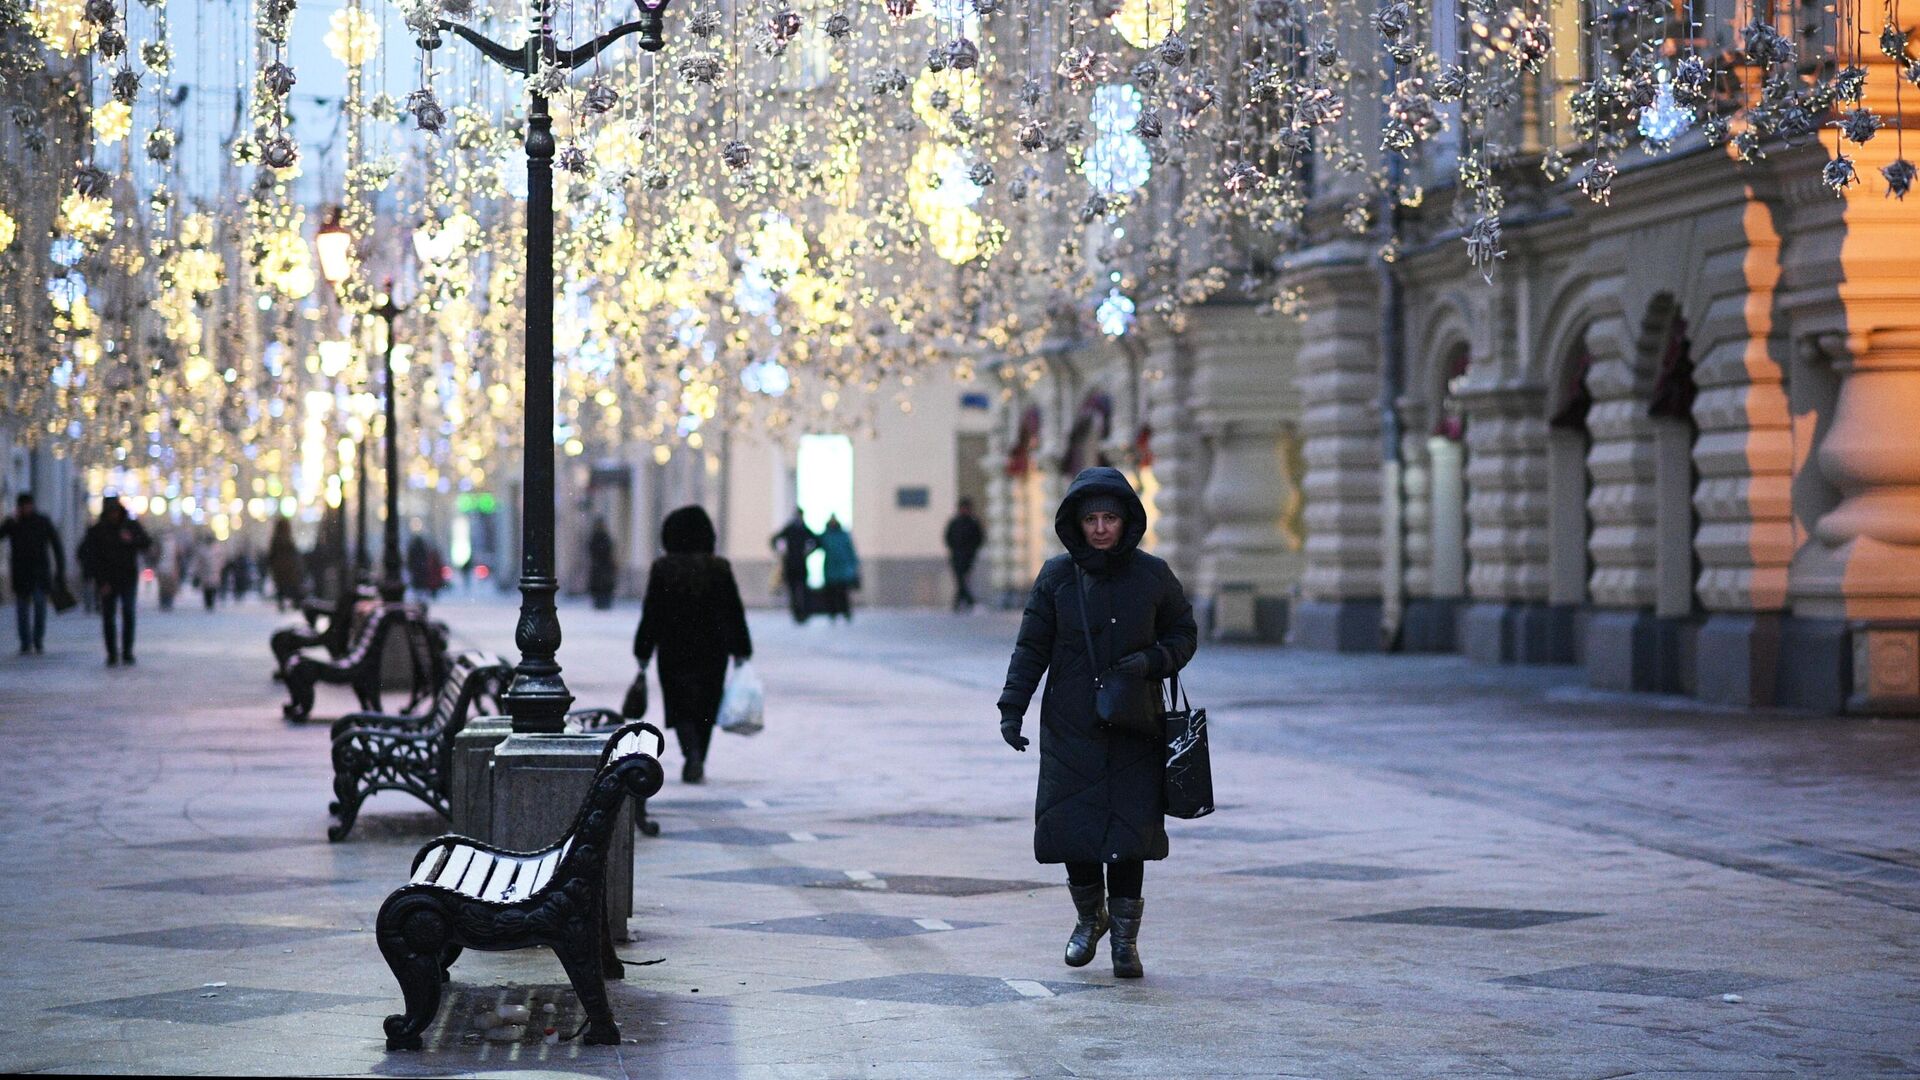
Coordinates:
(353,36)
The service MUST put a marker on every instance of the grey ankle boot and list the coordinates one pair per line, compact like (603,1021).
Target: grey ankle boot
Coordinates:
(1126,936)
(1091,902)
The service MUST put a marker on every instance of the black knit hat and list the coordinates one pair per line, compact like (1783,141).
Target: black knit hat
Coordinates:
(1100,503)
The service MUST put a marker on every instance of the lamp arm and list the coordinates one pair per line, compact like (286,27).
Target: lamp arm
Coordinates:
(580,54)
(514,60)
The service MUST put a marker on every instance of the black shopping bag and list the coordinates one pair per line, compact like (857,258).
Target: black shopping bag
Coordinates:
(1189,777)
(63,598)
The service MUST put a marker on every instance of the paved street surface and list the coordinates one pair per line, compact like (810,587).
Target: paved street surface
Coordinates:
(1421,868)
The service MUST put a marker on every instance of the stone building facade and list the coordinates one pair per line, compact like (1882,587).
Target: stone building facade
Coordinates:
(1673,441)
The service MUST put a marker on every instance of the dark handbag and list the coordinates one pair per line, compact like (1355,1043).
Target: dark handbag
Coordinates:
(1120,700)
(62,597)
(1189,778)
(634,705)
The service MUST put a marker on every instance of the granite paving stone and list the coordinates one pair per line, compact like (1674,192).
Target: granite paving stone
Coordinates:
(1422,868)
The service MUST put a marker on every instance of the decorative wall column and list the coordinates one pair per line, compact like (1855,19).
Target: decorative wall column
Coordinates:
(1001,515)
(1245,403)
(1179,457)
(1339,367)
(1507,511)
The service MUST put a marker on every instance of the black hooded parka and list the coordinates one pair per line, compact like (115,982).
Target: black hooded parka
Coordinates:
(693,617)
(1100,797)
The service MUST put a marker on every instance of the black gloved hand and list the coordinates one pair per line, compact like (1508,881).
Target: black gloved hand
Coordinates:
(1133,664)
(1010,731)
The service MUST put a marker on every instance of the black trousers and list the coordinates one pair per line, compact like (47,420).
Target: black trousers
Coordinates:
(119,597)
(690,695)
(796,578)
(1123,879)
(962,569)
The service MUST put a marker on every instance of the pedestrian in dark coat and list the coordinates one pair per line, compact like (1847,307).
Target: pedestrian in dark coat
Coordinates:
(1100,799)
(283,561)
(110,552)
(795,542)
(602,573)
(37,562)
(692,616)
(964,538)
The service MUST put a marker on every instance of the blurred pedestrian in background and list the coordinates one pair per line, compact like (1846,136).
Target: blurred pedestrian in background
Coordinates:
(425,566)
(207,567)
(1099,612)
(110,552)
(283,562)
(37,564)
(692,616)
(964,538)
(795,542)
(602,573)
(842,570)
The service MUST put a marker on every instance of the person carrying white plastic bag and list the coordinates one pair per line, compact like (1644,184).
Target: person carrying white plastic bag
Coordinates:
(743,706)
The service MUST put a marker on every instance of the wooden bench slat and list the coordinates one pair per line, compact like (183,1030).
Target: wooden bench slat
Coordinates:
(476,874)
(500,885)
(457,863)
(430,866)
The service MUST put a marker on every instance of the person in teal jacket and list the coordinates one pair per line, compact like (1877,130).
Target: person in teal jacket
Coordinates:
(842,571)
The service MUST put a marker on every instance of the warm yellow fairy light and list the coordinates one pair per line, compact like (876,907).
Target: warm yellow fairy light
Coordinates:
(288,267)
(1146,23)
(63,25)
(85,217)
(7,230)
(937,93)
(112,121)
(354,36)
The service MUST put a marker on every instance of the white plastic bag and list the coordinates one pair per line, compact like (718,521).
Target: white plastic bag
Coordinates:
(743,706)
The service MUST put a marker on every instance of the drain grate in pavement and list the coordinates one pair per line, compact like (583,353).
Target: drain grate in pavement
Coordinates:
(770,875)
(1645,981)
(1242,835)
(926,819)
(213,1005)
(849,924)
(929,885)
(739,836)
(462,1016)
(214,937)
(238,845)
(1328,871)
(1474,918)
(966,991)
(231,884)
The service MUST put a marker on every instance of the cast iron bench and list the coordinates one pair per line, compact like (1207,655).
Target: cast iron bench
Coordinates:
(342,618)
(360,667)
(399,752)
(466,894)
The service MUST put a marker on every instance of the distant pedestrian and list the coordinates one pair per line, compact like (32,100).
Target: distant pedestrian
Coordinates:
(1100,798)
(37,564)
(692,616)
(964,538)
(842,570)
(602,573)
(207,567)
(283,562)
(424,565)
(110,552)
(795,542)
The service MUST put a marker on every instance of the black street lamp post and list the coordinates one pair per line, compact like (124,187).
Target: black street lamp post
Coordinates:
(538,698)
(392,585)
(361,563)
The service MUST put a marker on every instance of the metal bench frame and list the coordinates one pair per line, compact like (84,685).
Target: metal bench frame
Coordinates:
(423,926)
(360,667)
(399,752)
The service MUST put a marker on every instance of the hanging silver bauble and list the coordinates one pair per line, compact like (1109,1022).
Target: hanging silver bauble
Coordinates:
(1017,190)
(736,154)
(160,143)
(91,182)
(1858,125)
(1242,178)
(278,78)
(1899,176)
(100,12)
(1148,125)
(784,25)
(126,86)
(656,178)
(457,9)
(899,9)
(962,54)
(572,158)
(1033,134)
(1173,50)
(981,174)
(936,59)
(1146,74)
(1839,174)
(700,67)
(279,152)
(837,26)
(600,98)
(111,42)
(1691,81)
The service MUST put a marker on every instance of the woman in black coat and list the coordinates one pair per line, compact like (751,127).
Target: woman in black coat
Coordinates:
(693,617)
(1100,799)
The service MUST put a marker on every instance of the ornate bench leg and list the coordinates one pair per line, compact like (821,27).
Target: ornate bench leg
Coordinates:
(347,799)
(300,680)
(447,957)
(412,932)
(581,956)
